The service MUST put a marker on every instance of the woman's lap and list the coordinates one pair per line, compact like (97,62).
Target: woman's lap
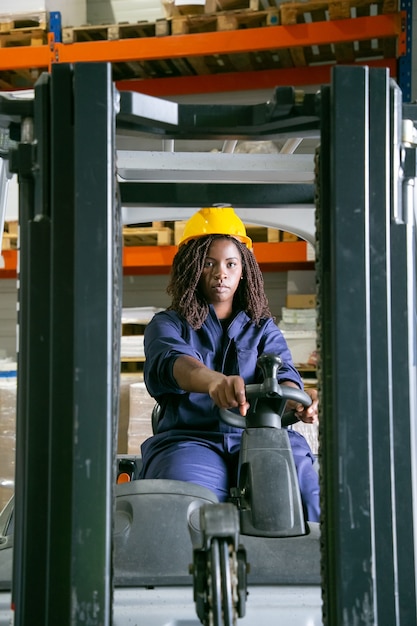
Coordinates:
(191,461)
(210,465)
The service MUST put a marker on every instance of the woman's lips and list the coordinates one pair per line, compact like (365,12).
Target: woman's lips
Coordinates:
(220,288)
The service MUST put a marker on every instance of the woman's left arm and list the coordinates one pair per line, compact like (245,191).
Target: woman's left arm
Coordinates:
(309,415)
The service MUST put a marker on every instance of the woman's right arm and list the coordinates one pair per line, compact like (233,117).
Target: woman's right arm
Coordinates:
(225,391)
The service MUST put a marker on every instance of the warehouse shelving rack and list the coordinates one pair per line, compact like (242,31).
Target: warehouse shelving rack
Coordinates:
(387,26)
(282,37)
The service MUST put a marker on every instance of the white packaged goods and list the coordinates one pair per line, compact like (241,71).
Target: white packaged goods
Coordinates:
(131,346)
(140,417)
(134,321)
(138,315)
(299,316)
(73,12)
(311,433)
(298,320)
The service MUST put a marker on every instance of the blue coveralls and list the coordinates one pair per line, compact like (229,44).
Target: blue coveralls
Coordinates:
(192,443)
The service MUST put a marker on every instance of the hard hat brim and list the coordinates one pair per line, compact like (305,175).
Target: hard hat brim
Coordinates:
(242,238)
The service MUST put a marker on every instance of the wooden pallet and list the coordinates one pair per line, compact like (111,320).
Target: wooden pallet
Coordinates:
(10,236)
(226,20)
(26,29)
(9,242)
(108,32)
(213,6)
(256,233)
(22,29)
(23,37)
(327,10)
(19,79)
(21,21)
(147,236)
(131,364)
(132,328)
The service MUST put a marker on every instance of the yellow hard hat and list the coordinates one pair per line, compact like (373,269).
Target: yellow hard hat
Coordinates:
(215,220)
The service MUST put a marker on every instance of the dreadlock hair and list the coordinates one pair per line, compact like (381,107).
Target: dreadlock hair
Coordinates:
(187,267)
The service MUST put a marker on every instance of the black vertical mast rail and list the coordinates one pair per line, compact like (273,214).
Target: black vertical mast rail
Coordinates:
(68,352)
(367,284)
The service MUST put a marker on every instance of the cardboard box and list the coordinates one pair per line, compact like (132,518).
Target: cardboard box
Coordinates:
(300,301)
(301,344)
(126,380)
(140,417)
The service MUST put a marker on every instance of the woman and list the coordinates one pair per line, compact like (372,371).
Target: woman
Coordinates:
(202,351)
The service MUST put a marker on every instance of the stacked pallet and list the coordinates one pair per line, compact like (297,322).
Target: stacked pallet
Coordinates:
(28,29)
(157,234)
(258,234)
(220,15)
(292,13)
(110,32)
(10,236)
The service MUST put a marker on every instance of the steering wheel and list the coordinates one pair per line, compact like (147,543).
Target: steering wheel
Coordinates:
(268,399)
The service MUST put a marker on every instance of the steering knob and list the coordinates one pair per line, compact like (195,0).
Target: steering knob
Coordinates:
(269,364)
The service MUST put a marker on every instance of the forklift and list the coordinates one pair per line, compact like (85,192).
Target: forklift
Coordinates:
(70,519)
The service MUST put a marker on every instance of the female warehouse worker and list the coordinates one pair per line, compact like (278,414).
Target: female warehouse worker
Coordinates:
(202,351)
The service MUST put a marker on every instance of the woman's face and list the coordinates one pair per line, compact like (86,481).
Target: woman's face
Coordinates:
(221,275)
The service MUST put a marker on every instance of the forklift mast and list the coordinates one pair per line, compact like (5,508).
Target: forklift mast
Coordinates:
(64,152)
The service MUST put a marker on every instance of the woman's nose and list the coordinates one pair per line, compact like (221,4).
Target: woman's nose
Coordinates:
(220,271)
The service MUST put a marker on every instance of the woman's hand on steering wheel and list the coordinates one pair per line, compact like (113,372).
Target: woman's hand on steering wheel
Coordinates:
(229,392)
(308,415)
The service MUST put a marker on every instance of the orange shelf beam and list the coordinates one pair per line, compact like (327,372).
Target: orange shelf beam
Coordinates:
(148,259)
(222,42)
(272,257)
(243,81)
(24,57)
(158,259)
(236,41)
(8,264)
